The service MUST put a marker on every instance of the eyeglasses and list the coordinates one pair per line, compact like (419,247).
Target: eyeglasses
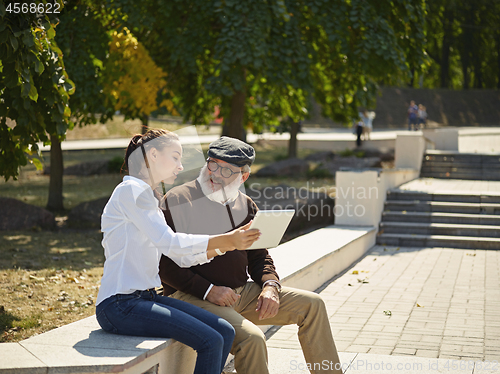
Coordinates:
(224,171)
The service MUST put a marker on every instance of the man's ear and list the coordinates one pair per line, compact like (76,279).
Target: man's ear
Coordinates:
(244,177)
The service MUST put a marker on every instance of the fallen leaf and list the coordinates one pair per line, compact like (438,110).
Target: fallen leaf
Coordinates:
(71,279)
(349,284)
(387,312)
(37,279)
(420,306)
(355,272)
(362,281)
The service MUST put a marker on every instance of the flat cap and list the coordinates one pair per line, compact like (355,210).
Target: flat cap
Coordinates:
(232,150)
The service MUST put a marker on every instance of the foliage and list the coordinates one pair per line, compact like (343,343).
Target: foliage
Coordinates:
(34,88)
(82,35)
(132,80)
(115,164)
(349,152)
(319,173)
(463,40)
(266,59)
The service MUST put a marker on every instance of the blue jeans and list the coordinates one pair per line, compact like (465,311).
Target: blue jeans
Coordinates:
(144,313)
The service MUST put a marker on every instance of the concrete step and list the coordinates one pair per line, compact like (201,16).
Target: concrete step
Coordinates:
(454,168)
(440,206)
(451,229)
(447,241)
(455,165)
(444,197)
(463,162)
(441,156)
(436,217)
(462,175)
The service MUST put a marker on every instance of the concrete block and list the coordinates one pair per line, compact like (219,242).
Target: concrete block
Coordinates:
(16,358)
(409,151)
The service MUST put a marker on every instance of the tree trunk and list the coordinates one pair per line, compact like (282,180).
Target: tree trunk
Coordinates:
(412,78)
(145,124)
(498,58)
(445,48)
(55,202)
(467,53)
(233,126)
(293,144)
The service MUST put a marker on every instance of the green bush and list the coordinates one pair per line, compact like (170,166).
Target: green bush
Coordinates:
(280,157)
(318,173)
(349,152)
(115,164)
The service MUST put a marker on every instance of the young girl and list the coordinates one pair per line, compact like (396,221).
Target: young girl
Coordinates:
(135,237)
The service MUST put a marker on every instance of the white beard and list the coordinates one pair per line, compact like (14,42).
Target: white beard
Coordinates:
(231,190)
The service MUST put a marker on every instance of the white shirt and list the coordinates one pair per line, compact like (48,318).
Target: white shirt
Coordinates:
(135,236)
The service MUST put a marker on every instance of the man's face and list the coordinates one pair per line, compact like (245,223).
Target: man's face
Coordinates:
(212,180)
(222,174)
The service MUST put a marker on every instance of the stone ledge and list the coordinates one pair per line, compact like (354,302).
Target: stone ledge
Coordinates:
(82,347)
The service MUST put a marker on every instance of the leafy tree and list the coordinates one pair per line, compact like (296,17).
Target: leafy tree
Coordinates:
(132,80)
(84,37)
(34,89)
(262,60)
(463,40)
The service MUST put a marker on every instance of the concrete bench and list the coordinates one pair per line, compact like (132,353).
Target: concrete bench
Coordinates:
(82,347)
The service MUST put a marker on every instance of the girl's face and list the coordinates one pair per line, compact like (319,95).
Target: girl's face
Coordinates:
(167,163)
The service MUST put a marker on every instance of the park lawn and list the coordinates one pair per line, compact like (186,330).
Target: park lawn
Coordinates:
(118,128)
(47,279)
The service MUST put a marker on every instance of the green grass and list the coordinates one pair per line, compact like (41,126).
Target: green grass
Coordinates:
(349,152)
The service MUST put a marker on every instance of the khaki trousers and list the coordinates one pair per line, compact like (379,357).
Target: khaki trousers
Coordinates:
(302,308)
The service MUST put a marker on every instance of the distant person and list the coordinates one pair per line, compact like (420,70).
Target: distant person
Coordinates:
(412,116)
(367,118)
(422,116)
(136,236)
(359,125)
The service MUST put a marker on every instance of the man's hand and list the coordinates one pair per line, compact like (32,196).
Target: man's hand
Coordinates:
(222,296)
(268,303)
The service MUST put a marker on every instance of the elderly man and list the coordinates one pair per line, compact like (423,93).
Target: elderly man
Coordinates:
(213,204)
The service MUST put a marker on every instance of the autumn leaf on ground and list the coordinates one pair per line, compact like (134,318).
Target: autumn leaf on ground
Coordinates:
(387,312)
(362,280)
(37,279)
(355,272)
(420,306)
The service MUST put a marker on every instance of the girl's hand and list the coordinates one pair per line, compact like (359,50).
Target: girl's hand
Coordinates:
(243,237)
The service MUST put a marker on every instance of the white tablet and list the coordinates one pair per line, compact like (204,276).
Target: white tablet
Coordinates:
(272,225)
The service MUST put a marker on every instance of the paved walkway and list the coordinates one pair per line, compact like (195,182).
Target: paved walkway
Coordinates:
(423,302)
(472,139)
